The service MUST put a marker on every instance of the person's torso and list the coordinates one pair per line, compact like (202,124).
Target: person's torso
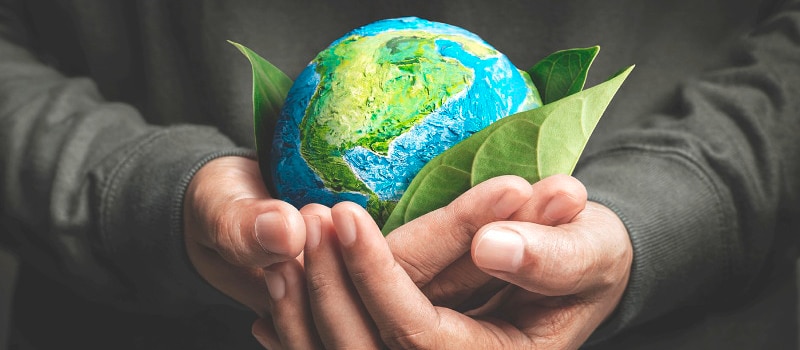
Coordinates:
(171,59)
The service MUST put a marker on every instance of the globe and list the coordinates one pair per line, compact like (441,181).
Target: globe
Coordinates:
(375,106)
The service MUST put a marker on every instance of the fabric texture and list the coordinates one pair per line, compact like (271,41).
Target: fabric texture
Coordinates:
(710,222)
(107,109)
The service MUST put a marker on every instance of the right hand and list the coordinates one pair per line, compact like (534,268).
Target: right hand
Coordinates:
(566,281)
(433,249)
(233,229)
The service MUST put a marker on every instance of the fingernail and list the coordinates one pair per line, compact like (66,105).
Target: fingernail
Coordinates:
(558,208)
(261,338)
(500,249)
(276,284)
(346,230)
(270,225)
(313,231)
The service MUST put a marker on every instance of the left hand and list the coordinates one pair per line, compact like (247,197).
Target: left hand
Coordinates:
(233,229)
(567,280)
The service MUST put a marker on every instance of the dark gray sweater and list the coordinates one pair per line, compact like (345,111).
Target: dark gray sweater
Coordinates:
(107,108)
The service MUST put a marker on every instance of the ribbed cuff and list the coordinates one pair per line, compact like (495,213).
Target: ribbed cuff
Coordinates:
(141,218)
(677,221)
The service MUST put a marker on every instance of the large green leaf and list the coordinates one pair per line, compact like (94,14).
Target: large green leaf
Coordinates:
(457,181)
(270,87)
(533,144)
(508,150)
(458,157)
(562,73)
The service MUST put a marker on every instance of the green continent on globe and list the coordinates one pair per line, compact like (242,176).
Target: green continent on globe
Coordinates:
(373,108)
(395,80)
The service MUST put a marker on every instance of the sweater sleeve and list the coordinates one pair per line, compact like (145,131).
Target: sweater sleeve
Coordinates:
(90,193)
(699,189)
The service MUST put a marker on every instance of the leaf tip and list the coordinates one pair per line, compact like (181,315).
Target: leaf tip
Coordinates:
(624,72)
(244,50)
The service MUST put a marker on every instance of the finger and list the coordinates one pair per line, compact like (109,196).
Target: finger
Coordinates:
(291,314)
(340,318)
(259,232)
(426,245)
(245,285)
(264,332)
(228,210)
(405,318)
(462,286)
(553,322)
(554,200)
(592,252)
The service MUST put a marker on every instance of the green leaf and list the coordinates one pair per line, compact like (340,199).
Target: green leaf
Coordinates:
(562,73)
(270,87)
(460,160)
(457,181)
(533,144)
(507,150)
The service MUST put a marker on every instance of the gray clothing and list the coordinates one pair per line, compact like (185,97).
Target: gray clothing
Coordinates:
(108,108)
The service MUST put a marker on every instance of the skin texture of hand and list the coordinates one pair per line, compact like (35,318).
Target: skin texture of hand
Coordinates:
(435,249)
(233,229)
(568,278)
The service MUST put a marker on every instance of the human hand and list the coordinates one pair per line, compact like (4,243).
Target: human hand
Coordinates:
(568,280)
(444,233)
(578,313)
(233,229)
(435,249)
(565,280)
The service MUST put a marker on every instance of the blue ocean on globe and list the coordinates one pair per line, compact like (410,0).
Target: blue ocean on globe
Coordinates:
(375,106)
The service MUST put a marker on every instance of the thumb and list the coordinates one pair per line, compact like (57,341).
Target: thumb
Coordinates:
(228,210)
(250,232)
(260,232)
(592,251)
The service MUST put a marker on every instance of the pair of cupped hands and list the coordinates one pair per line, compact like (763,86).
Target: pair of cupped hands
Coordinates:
(505,265)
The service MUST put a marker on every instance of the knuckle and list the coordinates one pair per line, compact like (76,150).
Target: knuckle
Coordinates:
(319,286)
(361,277)
(452,291)
(421,334)
(573,273)
(562,264)
(465,222)
(440,292)
(226,237)
(406,338)
(365,276)
(418,271)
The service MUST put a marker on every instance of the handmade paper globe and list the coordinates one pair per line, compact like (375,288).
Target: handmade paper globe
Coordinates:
(375,106)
